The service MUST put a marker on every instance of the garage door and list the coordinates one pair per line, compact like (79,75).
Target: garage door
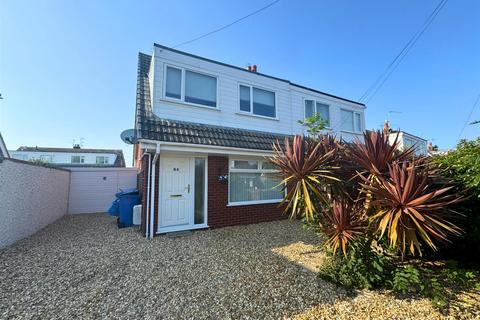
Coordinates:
(93,189)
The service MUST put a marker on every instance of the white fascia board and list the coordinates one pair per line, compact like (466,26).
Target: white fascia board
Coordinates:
(200,148)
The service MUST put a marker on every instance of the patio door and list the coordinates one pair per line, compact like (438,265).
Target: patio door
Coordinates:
(176,193)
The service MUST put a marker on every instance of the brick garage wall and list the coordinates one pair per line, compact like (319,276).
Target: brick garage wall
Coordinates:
(220,215)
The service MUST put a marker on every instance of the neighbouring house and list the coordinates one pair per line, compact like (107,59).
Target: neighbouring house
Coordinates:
(203,131)
(406,140)
(3,149)
(71,157)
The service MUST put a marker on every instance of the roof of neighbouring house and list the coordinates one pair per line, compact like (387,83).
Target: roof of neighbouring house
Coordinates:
(151,127)
(3,148)
(408,134)
(119,161)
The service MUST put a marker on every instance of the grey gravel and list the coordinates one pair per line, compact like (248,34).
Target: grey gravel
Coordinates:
(82,266)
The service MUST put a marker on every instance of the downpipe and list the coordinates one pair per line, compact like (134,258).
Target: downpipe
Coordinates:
(147,213)
(152,194)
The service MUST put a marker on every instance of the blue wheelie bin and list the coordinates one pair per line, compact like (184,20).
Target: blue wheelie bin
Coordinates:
(122,207)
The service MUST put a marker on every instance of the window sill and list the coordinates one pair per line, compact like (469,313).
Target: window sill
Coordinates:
(256,116)
(189,104)
(248,203)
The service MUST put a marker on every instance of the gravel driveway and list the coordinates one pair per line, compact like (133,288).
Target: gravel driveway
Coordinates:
(84,267)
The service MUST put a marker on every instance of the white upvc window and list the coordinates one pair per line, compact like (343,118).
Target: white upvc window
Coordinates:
(257,101)
(351,121)
(253,182)
(190,87)
(78,159)
(323,109)
(101,160)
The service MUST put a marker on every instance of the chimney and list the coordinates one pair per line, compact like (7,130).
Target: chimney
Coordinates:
(386,127)
(252,68)
(430,146)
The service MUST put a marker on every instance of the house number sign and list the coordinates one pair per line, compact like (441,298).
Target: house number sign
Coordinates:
(176,169)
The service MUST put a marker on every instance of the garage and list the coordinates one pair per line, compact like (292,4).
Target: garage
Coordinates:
(93,189)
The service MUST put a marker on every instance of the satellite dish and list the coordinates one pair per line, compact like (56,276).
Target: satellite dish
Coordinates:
(129,136)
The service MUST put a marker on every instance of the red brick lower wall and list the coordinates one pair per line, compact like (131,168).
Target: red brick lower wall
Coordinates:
(220,215)
(143,186)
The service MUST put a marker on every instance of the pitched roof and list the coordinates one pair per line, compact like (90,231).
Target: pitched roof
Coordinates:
(3,148)
(151,127)
(119,160)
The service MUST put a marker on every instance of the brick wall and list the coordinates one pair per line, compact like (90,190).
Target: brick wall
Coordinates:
(219,214)
(142,187)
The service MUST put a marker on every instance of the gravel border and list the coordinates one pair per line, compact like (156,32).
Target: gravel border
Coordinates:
(82,266)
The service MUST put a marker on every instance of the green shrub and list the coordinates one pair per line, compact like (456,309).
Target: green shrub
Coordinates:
(362,268)
(419,281)
(439,285)
(462,166)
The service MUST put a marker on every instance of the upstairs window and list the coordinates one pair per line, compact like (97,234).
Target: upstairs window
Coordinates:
(78,159)
(312,106)
(173,88)
(101,160)
(191,87)
(351,121)
(257,101)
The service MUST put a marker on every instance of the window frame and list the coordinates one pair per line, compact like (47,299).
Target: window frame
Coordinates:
(104,157)
(315,101)
(182,87)
(250,113)
(82,159)
(258,170)
(355,130)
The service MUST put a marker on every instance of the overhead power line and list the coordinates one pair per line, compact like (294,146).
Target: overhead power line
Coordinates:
(383,77)
(469,116)
(227,25)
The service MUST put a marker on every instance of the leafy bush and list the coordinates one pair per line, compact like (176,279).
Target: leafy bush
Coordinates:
(462,166)
(362,268)
(439,285)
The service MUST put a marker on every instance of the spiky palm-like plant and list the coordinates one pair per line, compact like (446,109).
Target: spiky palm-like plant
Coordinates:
(342,224)
(377,152)
(306,167)
(409,210)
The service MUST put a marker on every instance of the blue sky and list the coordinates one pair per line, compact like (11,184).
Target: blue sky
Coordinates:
(68,68)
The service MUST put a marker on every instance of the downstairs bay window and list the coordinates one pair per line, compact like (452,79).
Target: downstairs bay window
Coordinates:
(254,182)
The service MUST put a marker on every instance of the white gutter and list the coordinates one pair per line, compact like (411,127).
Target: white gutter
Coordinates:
(148,192)
(177,146)
(152,194)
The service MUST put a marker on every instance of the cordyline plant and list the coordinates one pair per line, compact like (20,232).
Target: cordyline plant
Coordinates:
(376,152)
(343,224)
(340,187)
(306,167)
(408,209)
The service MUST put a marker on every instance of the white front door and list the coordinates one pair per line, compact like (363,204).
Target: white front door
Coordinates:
(176,192)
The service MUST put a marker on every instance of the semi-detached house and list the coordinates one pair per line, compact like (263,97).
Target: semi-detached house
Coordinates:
(204,129)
